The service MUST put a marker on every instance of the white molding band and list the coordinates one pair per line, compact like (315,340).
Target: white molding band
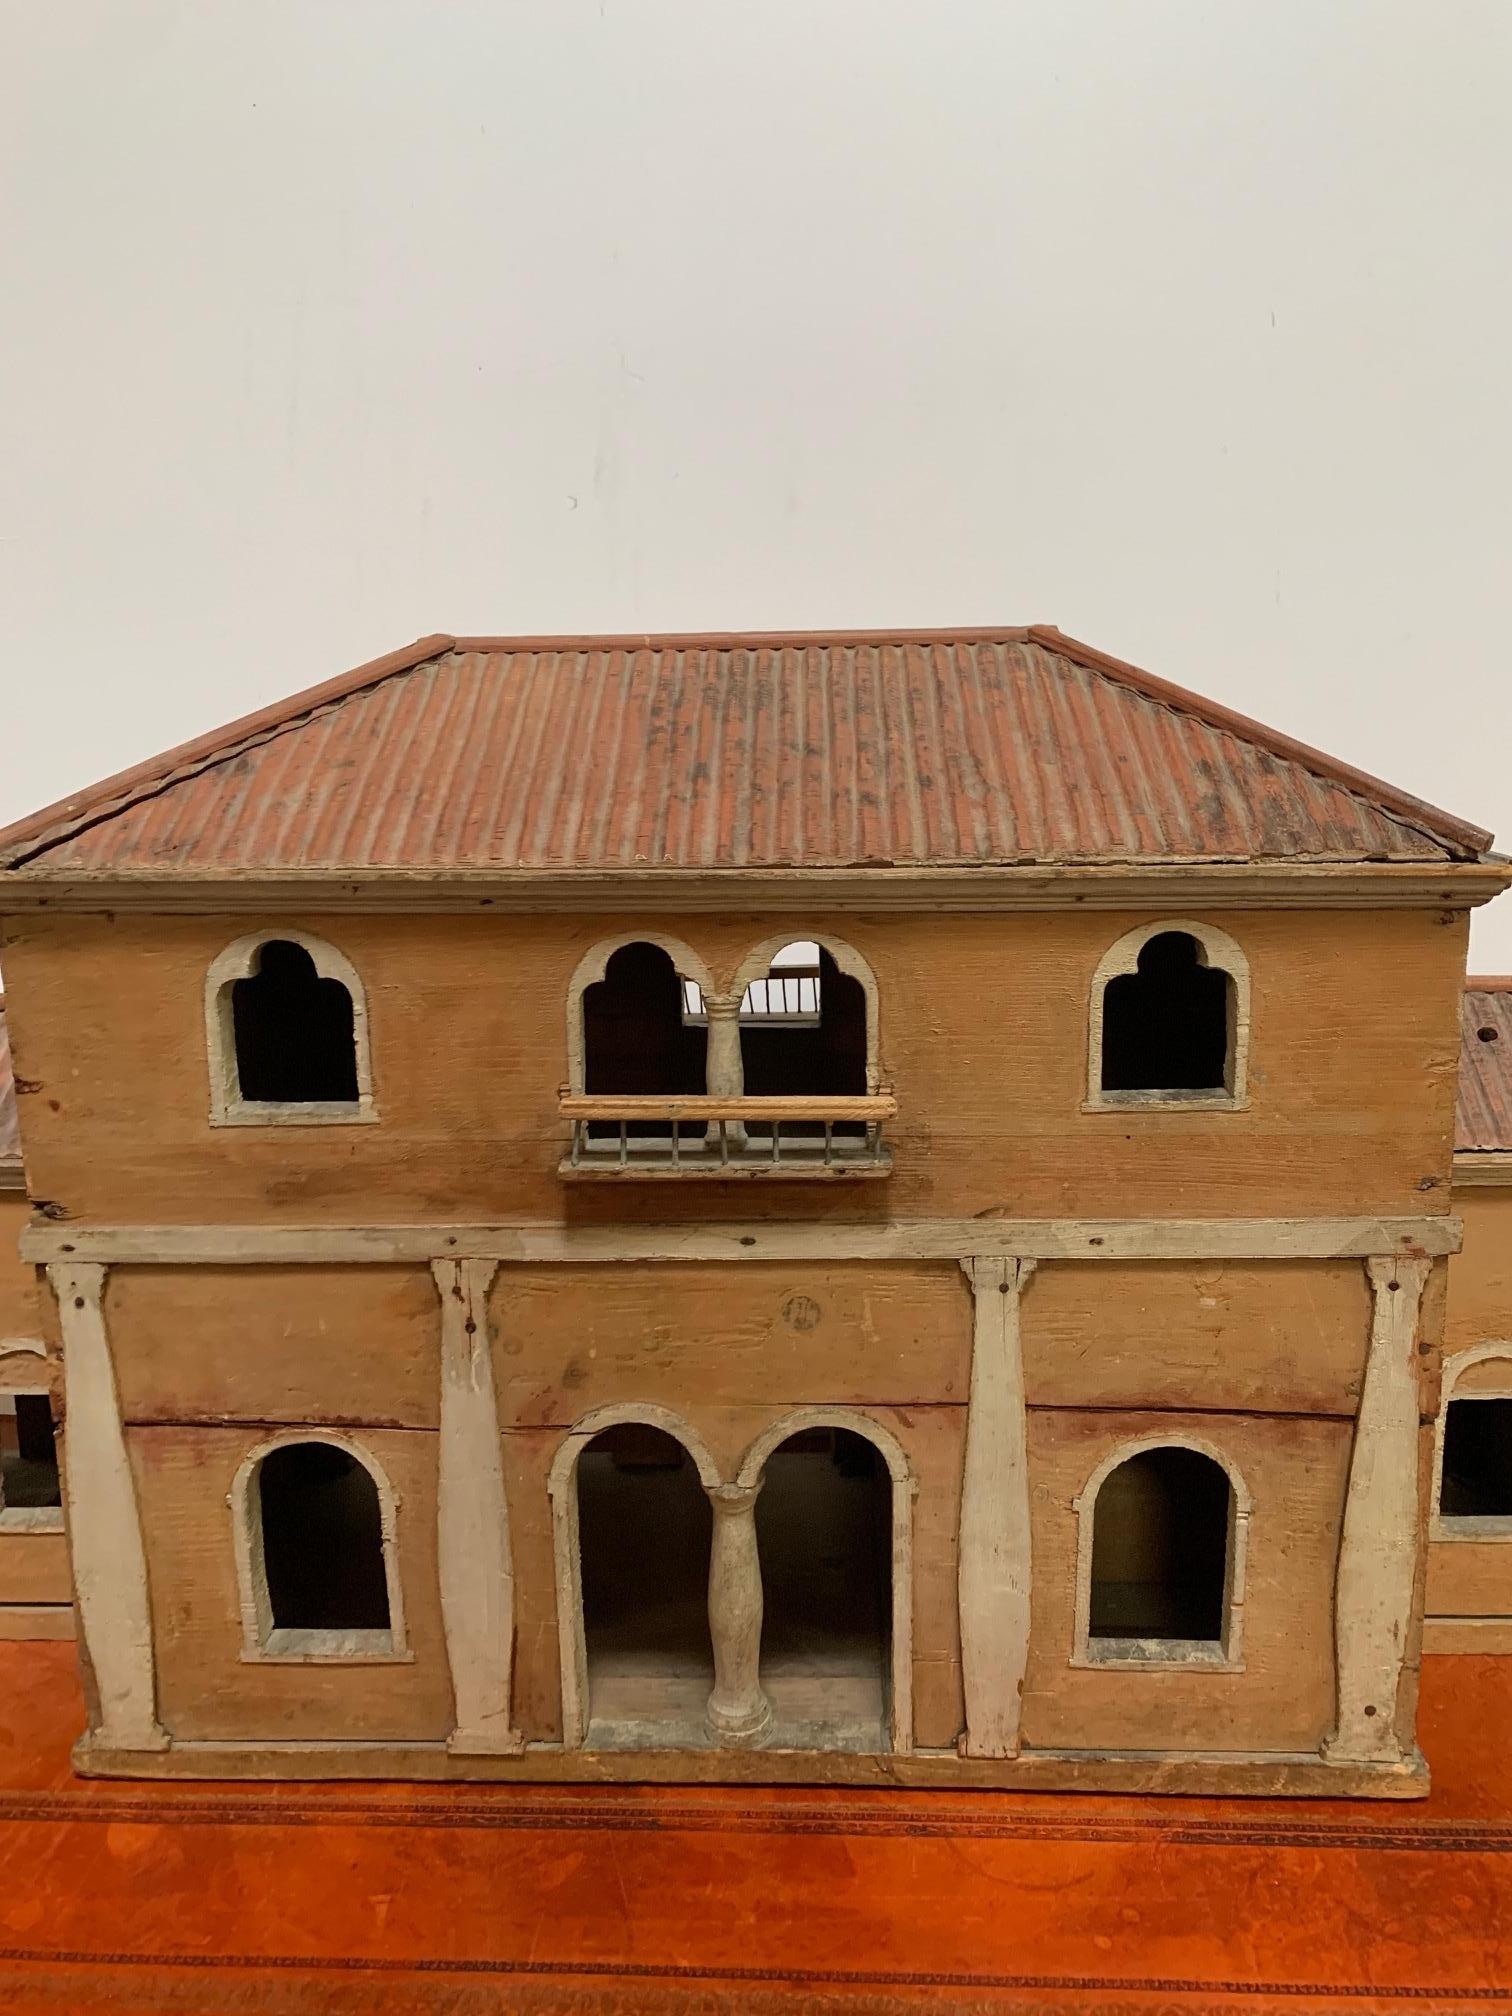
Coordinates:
(473,1552)
(759,1239)
(995,1545)
(1378,1550)
(104,1523)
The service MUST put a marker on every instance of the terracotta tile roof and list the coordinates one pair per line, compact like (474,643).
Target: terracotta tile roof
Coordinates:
(1485,1081)
(10,1132)
(865,750)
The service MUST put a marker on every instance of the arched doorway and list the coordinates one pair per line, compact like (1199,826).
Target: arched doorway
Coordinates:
(643,1527)
(826,1533)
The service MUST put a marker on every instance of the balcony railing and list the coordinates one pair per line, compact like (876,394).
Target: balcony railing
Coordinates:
(726,1138)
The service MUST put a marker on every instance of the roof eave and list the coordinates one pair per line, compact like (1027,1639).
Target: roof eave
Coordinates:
(1283,884)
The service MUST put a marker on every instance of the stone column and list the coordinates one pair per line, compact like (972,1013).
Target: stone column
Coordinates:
(739,1714)
(474,1561)
(994,1570)
(724,1067)
(1378,1551)
(104,1523)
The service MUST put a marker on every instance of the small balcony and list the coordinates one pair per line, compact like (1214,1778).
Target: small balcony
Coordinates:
(686,1138)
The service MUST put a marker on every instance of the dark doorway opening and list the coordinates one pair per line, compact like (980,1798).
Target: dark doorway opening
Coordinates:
(322,1538)
(294,1035)
(643,1544)
(1477,1474)
(824,1529)
(638,1038)
(29,1478)
(1166,1026)
(1160,1544)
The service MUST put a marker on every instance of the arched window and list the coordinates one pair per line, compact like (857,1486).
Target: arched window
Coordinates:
(1170,1019)
(1473,1458)
(286,1025)
(1162,1539)
(317,1553)
(638,1036)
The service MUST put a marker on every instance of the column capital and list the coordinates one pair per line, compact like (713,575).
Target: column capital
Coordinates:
(1009,1274)
(722,1007)
(730,1499)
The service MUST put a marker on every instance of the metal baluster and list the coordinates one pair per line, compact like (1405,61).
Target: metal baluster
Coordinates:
(829,1142)
(676,1145)
(577,1142)
(624,1144)
(724,1146)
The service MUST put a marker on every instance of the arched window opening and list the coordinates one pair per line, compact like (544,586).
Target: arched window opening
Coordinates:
(1476,1478)
(643,1543)
(1168,1027)
(803,1034)
(29,1481)
(323,1562)
(1162,1541)
(638,1039)
(293,1031)
(824,1530)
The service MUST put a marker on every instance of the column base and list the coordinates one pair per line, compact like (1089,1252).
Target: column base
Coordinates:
(485,1743)
(742,1731)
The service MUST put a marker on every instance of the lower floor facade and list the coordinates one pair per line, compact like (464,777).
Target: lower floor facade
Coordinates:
(1132,1506)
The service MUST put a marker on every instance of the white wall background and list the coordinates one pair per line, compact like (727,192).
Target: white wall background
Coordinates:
(1181,323)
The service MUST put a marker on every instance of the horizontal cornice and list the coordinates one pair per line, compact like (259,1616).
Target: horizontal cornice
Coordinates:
(1483,1168)
(827,1240)
(1449,885)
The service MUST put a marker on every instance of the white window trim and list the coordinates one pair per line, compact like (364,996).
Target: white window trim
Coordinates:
(1216,949)
(267,1644)
(29,1518)
(1225,1654)
(1473,1528)
(227,1106)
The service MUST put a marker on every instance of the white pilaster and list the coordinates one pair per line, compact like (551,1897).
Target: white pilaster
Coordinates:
(1378,1550)
(104,1523)
(474,1557)
(994,1573)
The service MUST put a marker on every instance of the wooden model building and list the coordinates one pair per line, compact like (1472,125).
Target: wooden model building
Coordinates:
(1470,1556)
(35,1593)
(857,1207)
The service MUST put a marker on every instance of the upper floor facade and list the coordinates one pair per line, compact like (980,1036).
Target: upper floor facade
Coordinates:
(660,930)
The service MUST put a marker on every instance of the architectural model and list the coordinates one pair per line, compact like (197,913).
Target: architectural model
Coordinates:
(848,1207)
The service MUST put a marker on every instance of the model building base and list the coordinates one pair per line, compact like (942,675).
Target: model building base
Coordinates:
(1227,1775)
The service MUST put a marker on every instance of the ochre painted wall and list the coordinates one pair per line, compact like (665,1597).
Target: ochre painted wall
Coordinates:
(983,1036)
